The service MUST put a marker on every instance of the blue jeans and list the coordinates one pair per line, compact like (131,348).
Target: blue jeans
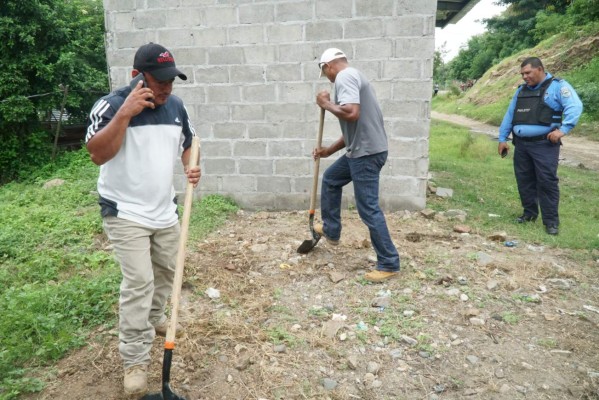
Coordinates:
(364,172)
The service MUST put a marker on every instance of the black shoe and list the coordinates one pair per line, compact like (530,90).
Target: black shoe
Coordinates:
(525,218)
(551,229)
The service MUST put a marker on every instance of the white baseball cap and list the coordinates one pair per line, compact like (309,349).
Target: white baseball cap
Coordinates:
(329,55)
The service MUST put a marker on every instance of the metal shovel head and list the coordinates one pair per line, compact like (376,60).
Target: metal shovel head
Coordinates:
(308,245)
(167,394)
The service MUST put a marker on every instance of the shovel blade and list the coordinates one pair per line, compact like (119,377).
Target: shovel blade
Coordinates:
(307,246)
(167,394)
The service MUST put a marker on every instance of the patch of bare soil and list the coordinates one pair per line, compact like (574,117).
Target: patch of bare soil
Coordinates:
(468,318)
(576,152)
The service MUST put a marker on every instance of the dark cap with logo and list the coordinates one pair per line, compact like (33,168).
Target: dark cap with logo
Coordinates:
(158,61)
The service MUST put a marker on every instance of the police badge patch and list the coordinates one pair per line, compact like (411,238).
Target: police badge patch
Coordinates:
(565,92)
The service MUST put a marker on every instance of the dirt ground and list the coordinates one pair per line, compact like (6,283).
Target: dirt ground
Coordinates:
(575,151)
(468,318)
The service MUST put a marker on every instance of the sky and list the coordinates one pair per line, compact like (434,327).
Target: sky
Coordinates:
(456,35)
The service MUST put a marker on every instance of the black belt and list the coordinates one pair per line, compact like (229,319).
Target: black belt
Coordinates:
(531,138)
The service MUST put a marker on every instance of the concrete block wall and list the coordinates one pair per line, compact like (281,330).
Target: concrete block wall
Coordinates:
(253,78)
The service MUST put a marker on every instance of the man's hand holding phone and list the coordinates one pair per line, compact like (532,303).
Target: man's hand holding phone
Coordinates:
(140,97)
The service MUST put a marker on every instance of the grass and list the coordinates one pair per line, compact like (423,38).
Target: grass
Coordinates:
(484,184)
(57,282)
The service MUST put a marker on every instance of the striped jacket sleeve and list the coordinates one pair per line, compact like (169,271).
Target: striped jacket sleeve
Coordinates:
(100,115)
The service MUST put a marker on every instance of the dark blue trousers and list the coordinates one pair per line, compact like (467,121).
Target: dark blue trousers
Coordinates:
(535,166)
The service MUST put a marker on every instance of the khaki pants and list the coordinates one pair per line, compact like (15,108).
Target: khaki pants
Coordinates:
(147,257)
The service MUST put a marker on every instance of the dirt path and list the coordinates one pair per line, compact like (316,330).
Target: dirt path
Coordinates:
(576,151)
(469,318)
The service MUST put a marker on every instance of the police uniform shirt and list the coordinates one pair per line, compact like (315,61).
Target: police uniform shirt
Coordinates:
(559,96)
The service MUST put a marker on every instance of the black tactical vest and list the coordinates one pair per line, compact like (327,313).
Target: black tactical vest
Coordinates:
(531,108)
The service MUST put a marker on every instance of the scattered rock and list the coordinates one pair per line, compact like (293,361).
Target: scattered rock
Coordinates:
(409,340)
(336,277)
(472,359)
(381,302)
(330,328)
(492,285)
(477,321)
(444,192)
(212,293)
(329,384)
(484,259)
(563,284)
(280,348)
(428,213)
(498,236)
(373,367)
(462,229)
(352,362)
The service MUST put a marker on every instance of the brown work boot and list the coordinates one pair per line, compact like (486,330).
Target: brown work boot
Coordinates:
(379,276)
(136,380)
(318,228)
(163,327)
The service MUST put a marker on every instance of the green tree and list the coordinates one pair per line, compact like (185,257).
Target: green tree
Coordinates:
(45,43)
(439,67)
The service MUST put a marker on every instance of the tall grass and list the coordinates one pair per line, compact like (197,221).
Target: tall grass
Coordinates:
(484,185)
(57,281)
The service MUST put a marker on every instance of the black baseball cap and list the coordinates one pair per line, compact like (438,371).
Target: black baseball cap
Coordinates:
(158,61)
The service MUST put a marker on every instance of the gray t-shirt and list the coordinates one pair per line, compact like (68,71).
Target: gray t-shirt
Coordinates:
(367,135)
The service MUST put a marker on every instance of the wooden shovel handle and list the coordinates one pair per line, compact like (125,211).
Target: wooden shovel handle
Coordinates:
(317,163)
(178,280)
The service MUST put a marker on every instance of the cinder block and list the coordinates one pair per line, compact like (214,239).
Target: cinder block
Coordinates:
(297,52)
(220,16)
(225,55)
(246,74)
(363,28)
(284,112)
(304,130)
(219,166)
(206,37)
(214,113)
(297,11)
(245,112)
(188,3)
(383,90)
(402,69)
(122,21)
(121,5)
(294,167)
(133,40)
(411,129)
(392,202)
(256,167)
(239,184)
(412,90)
(282,33)
(333,9)
(273,184)
(156,4)
(208,183)
(324,30)
(230,130)
(205,74)
(182,37)
(260,93)
(256,13)
(409,148)
(293,202)
(255,201)
(216,148)
(374,49)
(190,95)
(427,7)
(418,48)
(259,54)
(180,17)
(283,72)
(405,166)
(374,8)
(405,25)
(410,109)
(296,92)
(246,34)
(223,94)
(264,130)
(249,148)
(285,148)
(189,58)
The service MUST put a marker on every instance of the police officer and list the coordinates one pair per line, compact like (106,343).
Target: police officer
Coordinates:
(542,111)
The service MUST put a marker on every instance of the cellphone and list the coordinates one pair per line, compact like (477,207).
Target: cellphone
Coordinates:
(503,153)
(138,77)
